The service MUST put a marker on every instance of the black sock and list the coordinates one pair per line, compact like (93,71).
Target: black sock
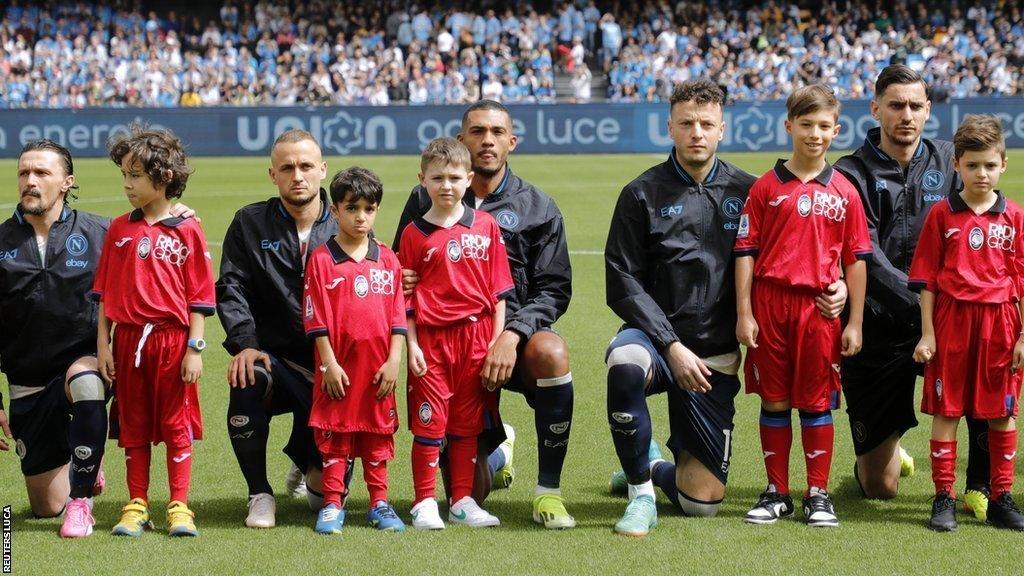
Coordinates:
(977,455)
(553,420)
(86,437)
(629,420)
(664,476)
(249,428)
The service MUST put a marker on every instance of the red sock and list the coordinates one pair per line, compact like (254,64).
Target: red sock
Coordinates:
(179,472)
(333,478)
(375,474)
(944,465)
(776,439)
(424,469)
(136,463)
(462,464)
(817,433)
(1002,453)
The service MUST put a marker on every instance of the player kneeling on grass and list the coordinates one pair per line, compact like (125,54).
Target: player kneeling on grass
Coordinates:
(155,284)
(968,268)
(802,220)
(457,312)
(354,309)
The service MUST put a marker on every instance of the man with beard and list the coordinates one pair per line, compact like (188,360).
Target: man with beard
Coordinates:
(900,175)
(529,357)
(259,297)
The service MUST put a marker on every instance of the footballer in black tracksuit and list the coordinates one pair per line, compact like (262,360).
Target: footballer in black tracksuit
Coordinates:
(879,382)
(259,302)
(534,234)
(669,276)
(47,322)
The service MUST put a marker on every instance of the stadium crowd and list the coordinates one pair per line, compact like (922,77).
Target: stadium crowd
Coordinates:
(64,54)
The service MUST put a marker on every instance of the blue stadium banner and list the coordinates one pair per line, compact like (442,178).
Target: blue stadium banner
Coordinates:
(550,129)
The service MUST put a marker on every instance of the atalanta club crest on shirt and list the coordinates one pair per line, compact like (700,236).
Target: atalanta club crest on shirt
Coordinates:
(454,251)
(144,248)
(362,286)
(803,205)
(976,238)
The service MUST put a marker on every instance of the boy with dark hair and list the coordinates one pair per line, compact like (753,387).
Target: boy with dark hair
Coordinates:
(456,314)
(354,309)
(155,283)
(968,269)
(801,222)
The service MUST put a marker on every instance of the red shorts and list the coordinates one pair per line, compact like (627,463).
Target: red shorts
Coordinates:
(450,398)
(368,446)
(152,404)
(798,350)
(970,371)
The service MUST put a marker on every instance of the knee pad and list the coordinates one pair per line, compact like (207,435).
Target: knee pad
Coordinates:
(630,354)
(87,386)
(698,508)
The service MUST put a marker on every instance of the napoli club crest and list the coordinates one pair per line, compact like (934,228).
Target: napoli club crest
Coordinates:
(362,286)
(976,238)
(144,248)
(803,205)
(454,251)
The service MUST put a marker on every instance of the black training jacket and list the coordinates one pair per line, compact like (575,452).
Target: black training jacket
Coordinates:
(259,293)
(47,320)
(896,202)
(668,260)
(534,235)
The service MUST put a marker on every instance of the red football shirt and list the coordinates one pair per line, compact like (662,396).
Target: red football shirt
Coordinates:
(463,269)
(799,233)
(358,305)
(968,256)
(154,273)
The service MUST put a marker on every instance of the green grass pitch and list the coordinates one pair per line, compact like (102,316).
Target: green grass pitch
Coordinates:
(874,537)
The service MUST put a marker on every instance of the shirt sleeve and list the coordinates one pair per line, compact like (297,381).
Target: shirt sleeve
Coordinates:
(199,275)
(315,303)
(857,241)
(502,286)
(927,262)
(748,235)
(234,290)
(99,283)
(1018,256)
(399,325)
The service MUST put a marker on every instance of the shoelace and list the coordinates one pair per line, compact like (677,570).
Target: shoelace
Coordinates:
(943,502)
(78,514)
(820,503)
(637,507)
(386,512)
(1010,504)
(769,498)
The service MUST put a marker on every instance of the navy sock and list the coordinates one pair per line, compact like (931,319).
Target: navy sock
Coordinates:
(496,460)
(664,476)
(553,420)
(86,436)
(977,455)
(629,420)
(249,428)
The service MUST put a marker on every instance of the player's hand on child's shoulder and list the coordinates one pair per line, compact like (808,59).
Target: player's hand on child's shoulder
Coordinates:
(925,349)
(853,340)
(334,381)
(385,379)
(191,367)
(180,210)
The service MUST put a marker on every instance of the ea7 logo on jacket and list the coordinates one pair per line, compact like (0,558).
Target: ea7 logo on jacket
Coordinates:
(670,211)
(8,254)
(274,245)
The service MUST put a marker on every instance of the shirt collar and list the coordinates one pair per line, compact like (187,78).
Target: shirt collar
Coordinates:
(784,175)
(19,214)
(468,217)
(957,204)
(136,215)
(874,141)
(685,176)
(325,208)
(339,255)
